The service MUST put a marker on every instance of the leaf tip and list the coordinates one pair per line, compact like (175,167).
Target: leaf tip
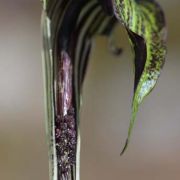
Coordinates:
(125,147)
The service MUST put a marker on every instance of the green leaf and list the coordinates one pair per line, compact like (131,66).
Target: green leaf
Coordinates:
(145,24)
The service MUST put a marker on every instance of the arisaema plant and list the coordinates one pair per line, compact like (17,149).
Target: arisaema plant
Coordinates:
(69,27)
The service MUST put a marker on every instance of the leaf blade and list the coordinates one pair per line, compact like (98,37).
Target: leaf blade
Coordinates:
(145,19)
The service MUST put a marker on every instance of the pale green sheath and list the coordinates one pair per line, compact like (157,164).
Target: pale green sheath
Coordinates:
(48,92)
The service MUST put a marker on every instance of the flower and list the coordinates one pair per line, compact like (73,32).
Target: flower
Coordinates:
(69,27)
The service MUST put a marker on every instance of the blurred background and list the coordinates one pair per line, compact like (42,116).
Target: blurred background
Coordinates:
(154,151)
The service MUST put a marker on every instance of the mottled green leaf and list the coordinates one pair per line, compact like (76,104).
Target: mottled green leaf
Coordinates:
(145,24)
